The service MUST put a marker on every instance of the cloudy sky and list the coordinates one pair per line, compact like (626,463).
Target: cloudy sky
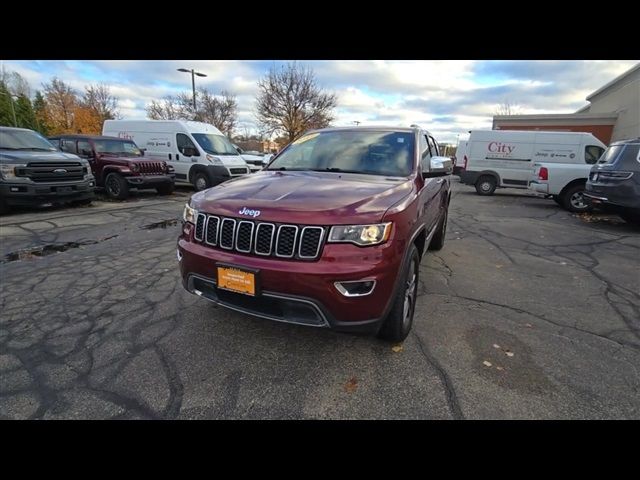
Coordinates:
(449,97)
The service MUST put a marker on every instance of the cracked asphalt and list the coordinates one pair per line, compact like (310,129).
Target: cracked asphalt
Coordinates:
(529,312)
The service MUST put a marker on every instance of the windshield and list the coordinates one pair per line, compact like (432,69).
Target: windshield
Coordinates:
(215,144)
(24,140)
(351,151)
(610,155)
(117,147)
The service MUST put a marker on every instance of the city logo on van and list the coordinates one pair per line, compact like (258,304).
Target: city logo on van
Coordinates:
(249,213)
(499,147)
(125,135)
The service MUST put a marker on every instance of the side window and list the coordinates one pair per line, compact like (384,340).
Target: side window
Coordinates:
(592,153)
(434,146)
(68,145)
(84,148)
(183,142)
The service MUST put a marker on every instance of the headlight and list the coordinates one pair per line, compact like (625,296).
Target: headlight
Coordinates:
(134,167)
(9,170)
(189,214)
(363,235)
(87,165)
(214,160)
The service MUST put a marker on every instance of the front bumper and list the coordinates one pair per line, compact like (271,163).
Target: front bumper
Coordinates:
(150,181)
(28,194)
(300,292)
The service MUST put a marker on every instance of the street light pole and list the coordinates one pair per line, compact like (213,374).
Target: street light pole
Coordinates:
(193,85)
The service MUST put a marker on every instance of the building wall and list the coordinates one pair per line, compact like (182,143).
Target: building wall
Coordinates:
(601,132)
(623,99)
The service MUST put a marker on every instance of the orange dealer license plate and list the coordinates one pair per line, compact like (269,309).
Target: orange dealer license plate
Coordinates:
(237,280)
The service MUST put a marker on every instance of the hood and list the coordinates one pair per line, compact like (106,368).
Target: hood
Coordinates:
(311,198)
(26,156)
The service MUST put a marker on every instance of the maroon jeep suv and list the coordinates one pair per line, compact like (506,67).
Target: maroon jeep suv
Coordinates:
(118,164)
(329,234)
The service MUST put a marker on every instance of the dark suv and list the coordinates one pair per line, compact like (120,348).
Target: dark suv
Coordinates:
(118,164)
(329,234)
(33,172)
(614,182)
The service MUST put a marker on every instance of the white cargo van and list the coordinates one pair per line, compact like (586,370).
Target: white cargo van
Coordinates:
(505,158)
(199,153)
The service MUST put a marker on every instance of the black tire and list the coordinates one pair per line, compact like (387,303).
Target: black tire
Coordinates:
(4,208)
(165,189)
(437,242)
(573,201)
(556,198)
(201,181)
(116,187)
(630,216)
(398,323)
(486,185)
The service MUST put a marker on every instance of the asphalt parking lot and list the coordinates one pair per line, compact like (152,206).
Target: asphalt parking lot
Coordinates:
(528,312)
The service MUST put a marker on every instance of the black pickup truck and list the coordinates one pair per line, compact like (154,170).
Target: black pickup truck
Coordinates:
(33,172)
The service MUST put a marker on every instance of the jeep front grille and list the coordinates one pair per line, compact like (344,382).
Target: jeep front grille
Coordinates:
(260,238)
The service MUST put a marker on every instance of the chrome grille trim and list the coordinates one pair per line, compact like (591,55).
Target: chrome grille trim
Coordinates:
(203,217)
(206,230)
(315,255)
(250,236)
(233,233)
(295,237)
(273,231)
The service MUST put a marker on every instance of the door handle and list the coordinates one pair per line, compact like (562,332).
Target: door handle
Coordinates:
(177,157)
(169,156)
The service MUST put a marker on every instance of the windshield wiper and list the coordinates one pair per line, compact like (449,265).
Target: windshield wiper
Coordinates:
(339,170)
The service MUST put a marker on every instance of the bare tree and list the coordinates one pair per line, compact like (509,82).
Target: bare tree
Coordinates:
(61,102)
(507,108)
(99,100)
(221,111)
(15,83)
(290,102)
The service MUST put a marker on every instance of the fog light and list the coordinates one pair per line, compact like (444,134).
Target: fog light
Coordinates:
(91,184)
(358,288)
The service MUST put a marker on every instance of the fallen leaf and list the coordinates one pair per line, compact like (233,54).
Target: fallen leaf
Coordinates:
(509,354)
(528,325)
(351,385)
(397,348)
(487,364)
(498,266)
(495,345)
(499,368)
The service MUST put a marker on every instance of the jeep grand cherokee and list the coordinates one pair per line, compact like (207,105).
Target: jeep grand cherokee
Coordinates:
(329,234)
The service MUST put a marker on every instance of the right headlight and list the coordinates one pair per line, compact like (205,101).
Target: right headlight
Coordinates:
(189,214)
(8,171)
(214,160)
(362,235)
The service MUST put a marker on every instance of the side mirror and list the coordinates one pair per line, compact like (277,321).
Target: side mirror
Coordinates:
(87,153)
(142,150)
(239,150)
(438,167)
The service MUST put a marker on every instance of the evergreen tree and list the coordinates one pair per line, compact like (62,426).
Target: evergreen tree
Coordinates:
(24,113)
(40,111)
(6,106)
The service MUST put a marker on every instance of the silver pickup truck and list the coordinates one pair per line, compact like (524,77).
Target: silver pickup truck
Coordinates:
(564,182)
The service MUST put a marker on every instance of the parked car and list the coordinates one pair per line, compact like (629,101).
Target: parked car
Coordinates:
(504,158)
(255,160)
(199,153)
(565,181)
(118,164)
(33,172)
(330,234)
(614,183)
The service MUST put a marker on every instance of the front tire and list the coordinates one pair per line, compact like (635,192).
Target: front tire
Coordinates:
(398,323)
(4,208)
(486,185)
(116,187)
(201,181)
(573,200)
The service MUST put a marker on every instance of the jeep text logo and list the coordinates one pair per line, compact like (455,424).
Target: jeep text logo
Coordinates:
(249,213)
(498,147)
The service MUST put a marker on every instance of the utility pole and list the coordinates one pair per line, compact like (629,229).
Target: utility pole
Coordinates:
(193,85)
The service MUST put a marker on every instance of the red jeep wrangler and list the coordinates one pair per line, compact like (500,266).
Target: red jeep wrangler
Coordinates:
(118,164)
(329,234)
